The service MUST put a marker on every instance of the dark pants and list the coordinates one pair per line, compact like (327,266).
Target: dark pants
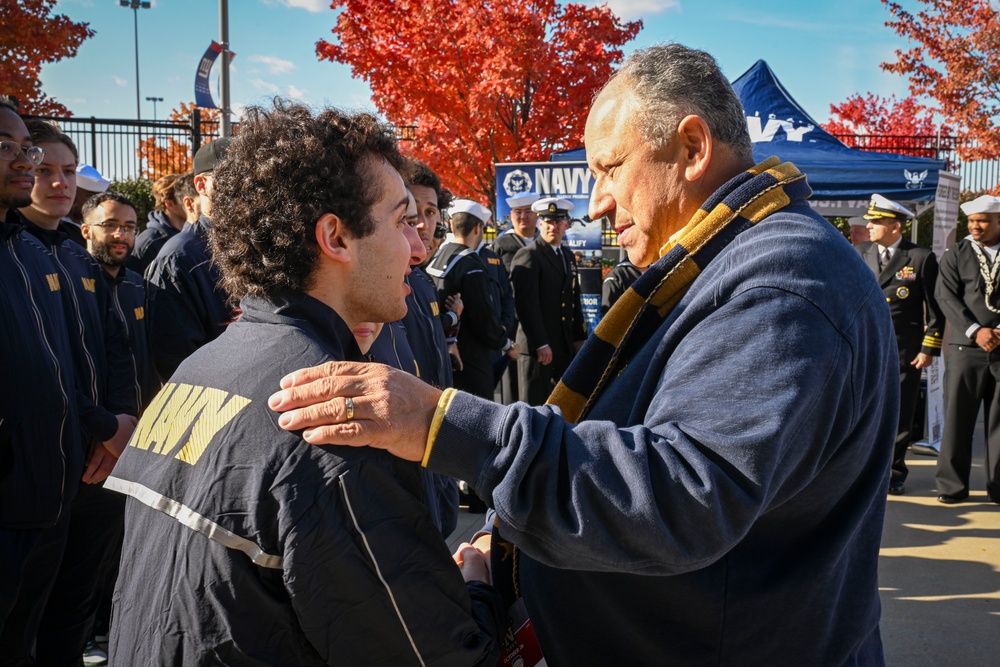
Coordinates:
(909,393)
(29,560)
(94,542)
(971,379)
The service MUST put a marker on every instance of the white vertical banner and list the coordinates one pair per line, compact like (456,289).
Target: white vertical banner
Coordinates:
(945,219)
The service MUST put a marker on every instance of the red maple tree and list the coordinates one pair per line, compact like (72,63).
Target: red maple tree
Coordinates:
(174,157)
(480,81)
(30,37)
(956,61)
(887,124)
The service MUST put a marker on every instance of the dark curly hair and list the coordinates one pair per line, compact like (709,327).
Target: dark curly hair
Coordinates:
(285,168)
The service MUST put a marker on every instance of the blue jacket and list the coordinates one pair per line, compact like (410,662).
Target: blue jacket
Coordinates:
(291,554)
(186,306)
(723,501)
(41,451)
(425,330)
(128,299)
(98,338)
(148,244)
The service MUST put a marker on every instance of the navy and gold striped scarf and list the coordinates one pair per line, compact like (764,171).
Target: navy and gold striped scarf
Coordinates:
(743,201)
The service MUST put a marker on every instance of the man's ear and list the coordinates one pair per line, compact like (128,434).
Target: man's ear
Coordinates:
(86,231)
(199,185)
(695,150)
(332,238)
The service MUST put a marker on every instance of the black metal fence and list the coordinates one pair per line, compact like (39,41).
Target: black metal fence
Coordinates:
(124,149)
(977,175)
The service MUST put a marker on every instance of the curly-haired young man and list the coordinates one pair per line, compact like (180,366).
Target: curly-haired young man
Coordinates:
(246,544)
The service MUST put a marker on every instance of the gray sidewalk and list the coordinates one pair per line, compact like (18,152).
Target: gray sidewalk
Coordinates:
(939,572)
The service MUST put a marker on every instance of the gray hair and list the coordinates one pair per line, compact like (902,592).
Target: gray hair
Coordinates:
(671,81)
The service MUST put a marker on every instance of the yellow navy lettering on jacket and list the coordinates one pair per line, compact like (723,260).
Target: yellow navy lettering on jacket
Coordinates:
(89,284)
(140,313)
(180,410)
(53,280)
(434,308)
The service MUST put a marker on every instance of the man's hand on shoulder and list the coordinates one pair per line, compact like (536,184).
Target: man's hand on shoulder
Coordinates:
(392,409)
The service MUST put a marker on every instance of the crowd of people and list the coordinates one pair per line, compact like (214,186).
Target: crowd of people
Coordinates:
(235,437)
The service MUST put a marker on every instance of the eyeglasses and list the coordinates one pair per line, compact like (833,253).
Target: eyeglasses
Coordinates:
(115,228)
(9,151)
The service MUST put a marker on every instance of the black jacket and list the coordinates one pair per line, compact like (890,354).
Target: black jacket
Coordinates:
(619,279)
(41,451)
(128,299)
(548,303)
(961,293)
(185,304)
(147,245)
(458,268)
(506,246)
(295,554)
(98,338)
(908,281)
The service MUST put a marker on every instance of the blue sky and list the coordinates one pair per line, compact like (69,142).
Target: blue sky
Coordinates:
(822,52)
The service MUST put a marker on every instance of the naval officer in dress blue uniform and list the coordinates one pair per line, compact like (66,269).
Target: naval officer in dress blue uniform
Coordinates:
(907,273)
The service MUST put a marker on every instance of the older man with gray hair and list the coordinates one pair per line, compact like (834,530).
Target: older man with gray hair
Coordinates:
(706,485)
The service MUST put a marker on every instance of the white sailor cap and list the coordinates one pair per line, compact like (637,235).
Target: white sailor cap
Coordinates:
(880,208)
(984,204)
(90,179)
(857,221)
(552,207)
(475,209)
(523,199)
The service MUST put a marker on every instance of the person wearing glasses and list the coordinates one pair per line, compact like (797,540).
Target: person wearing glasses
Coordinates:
(108,404)
(41,459)
(109,230)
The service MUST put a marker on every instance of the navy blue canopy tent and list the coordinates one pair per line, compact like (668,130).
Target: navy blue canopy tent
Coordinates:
(779,126)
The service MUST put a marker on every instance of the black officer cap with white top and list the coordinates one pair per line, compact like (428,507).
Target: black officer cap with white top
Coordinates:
(984,204)
(552,207)
(475,209)
(880,208)
(523,199)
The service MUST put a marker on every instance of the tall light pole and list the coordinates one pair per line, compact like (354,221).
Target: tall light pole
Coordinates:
(134,5)
(224,75)
(154,100)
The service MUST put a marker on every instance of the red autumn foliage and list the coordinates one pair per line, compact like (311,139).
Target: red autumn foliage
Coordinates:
(175,156)
(30,37)
(955,60)
(873,114)
(482,81)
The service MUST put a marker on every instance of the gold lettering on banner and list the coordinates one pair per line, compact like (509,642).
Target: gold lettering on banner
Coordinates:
(53,280)
(89,284)
(180,409)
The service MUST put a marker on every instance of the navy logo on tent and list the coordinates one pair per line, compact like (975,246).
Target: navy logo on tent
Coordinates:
(516,182)
(913,179)
(768,131)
